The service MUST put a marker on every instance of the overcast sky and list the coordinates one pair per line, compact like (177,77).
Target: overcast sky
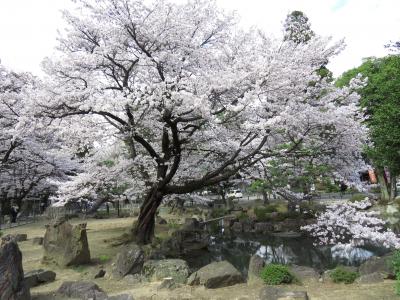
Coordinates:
(28,28)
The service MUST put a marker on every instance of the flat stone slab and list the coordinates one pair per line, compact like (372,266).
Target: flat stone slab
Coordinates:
(274,293)
(38,277)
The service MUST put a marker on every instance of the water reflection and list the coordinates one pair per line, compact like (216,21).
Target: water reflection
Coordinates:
(300,251)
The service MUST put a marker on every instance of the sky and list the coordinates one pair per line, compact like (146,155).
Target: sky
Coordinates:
(29,28)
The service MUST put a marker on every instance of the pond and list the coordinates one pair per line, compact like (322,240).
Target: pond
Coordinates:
(300,251)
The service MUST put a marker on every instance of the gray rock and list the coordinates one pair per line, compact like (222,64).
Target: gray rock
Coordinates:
(215,275)
(82,290)
(37,241)
(100,274)
(12,283)
(65,244)
(247,225)
(274,293)
(128,261)
(38,277)
(256,264)
(121,297)
(186,241)
(156,270)
(304,273)
(263,227)
(371,278)
(381,265)
(18,237)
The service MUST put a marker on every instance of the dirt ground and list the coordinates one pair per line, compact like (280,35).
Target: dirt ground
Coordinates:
(102,252)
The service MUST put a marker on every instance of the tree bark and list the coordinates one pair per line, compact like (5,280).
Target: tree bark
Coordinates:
(144,231)
(385,197)
(392,187)
(265,197)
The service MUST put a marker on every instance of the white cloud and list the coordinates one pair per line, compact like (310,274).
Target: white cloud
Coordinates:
(28,29)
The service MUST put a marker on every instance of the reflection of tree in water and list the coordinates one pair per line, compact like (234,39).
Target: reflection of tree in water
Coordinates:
(347,254)
(299,251)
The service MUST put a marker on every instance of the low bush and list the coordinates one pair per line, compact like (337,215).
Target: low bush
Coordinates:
(357,197)
(271,208)
(261,214)
(341,275)
(218,212)
(274,274)
(243,216)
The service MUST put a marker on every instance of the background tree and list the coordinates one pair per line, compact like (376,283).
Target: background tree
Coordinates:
(380,101)
(297,28)
(187,99)
(29,156)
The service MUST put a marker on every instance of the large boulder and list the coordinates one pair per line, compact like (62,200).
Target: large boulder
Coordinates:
(371,278)
(12,283)
(274,293)
(216,275)
(38,277)
(256,264)
(156,270)
(304,273)
(66,244)
(81,290)
(375,264)
(128,261)
(263,227)
(186,241)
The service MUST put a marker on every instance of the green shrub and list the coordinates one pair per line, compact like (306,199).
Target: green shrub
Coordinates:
(271,208)
(339,274)
(287,215)
(243,216)
(218,212)
(357,197)
(261,214)
(276,274)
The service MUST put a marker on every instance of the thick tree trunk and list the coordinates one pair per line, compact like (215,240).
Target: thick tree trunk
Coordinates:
(392,187)
(385,197)
(265,197)
(144,231)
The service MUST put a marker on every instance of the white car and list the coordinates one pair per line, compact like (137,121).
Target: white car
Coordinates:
(234,194)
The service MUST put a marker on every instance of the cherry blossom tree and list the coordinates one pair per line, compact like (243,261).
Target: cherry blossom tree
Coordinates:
(179,98)
(28,154)
(352,224)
